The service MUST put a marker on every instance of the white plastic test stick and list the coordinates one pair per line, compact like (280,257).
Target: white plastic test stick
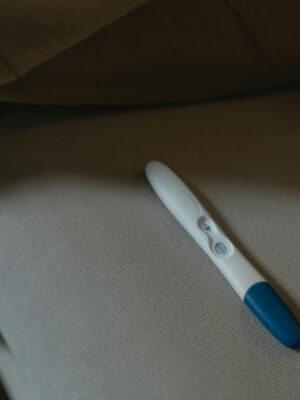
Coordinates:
(249,284)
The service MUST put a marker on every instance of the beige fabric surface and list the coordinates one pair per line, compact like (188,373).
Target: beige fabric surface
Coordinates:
(115,53)
(15,380)
(33,31)
(103,294)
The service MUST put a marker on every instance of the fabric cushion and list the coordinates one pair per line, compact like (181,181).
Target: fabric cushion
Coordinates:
(137,52)
(103,294)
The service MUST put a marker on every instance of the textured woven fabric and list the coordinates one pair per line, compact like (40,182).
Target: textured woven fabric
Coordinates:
(103,294)
(16,383)
(32,32)
(3,395)
(81,52)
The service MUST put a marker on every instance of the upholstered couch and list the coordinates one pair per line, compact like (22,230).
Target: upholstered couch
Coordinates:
(102,294)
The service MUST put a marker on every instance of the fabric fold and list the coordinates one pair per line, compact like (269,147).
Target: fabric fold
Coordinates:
(33,32)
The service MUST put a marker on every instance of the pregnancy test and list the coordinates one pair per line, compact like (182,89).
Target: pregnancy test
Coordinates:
(248,283)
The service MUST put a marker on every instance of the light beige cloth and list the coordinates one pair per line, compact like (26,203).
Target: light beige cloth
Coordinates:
(103,295)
